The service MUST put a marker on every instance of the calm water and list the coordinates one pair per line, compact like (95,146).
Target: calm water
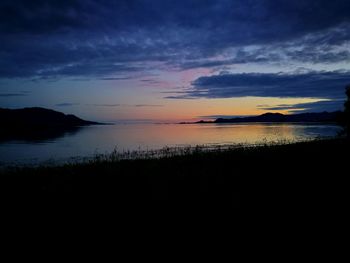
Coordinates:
(87,141)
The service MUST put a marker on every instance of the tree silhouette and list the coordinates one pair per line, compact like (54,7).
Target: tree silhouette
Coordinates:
(346,120)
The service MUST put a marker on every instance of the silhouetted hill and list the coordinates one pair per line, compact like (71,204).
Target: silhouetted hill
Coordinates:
(37,124)
(326,117)
(39,117)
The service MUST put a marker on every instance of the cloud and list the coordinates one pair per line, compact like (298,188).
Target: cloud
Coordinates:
(105,105)
(319,106)
(115,78)
(66,104)
(311,84)
(127,105)
(148,105)
(7,95)
(273,17)
(221,116)
(102,38)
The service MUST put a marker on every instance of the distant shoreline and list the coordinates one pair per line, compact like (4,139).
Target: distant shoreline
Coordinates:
(257,122)
(321,118)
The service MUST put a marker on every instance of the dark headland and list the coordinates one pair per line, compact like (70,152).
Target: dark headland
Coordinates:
(37,123)
(322,117)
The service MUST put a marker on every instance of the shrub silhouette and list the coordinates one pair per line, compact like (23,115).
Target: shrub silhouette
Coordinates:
(346,116)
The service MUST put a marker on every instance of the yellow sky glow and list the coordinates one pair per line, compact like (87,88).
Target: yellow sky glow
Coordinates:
(194,109)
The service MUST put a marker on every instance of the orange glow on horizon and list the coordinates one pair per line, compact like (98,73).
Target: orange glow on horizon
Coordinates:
(199,108)
(192,109)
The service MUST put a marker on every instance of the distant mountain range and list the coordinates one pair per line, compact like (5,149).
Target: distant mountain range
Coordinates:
(322,117)
(37,124)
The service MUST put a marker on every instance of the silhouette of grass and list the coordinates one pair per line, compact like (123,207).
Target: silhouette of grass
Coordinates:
(176,151)
(201,176)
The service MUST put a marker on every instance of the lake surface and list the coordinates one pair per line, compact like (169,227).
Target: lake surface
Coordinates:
(87,141)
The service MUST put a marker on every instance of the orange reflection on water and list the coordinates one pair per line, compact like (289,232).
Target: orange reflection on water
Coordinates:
(154,136)
(105,138)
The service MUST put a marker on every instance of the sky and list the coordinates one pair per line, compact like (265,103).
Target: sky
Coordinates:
(165,60)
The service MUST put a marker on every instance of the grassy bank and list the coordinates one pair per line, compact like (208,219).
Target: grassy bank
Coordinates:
(305,174)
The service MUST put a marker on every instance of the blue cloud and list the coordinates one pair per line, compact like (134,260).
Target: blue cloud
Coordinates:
(7,95)
(104,38)
(106,105)
(310,84)
(66,104)
(319,106)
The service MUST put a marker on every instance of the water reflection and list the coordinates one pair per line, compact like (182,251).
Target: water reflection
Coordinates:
(104,138)
(37,135)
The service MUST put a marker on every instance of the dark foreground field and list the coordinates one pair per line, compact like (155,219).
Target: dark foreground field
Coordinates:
(301,175)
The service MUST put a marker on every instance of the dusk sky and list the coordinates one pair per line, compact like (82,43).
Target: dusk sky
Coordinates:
(168,60)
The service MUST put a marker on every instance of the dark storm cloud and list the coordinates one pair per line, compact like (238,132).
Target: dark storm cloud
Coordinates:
(275,17)
(40,16)
(310,84)
(102,38)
